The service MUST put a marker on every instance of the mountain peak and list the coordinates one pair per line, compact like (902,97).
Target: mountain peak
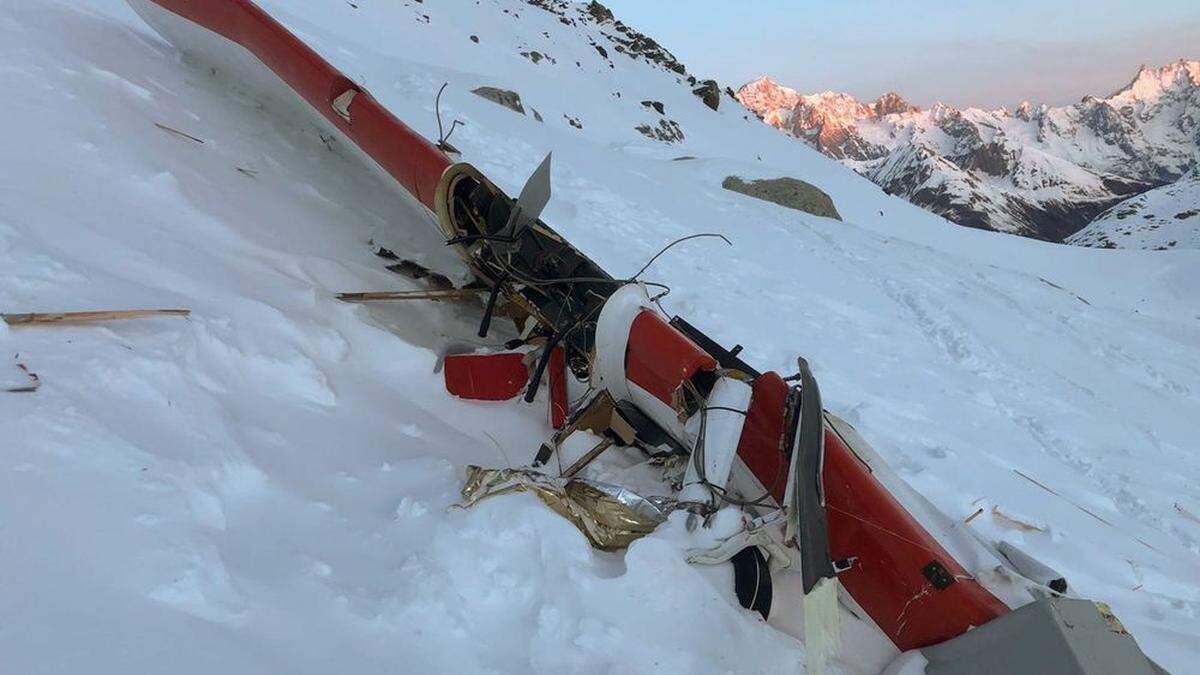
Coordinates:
(1151,83)
(891,102)
(766,97)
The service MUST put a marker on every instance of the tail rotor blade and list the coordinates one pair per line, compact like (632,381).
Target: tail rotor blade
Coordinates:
(533,199)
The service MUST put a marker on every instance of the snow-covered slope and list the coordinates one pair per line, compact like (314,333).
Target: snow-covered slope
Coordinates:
(264,486)
(1162,218)
(1038,171)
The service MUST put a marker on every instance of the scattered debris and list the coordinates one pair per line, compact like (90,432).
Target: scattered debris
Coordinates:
(486,377)
(249,172)
(1031,568)
(610,516)
(440,294)
(25,388)
(1054,285)
(1035,482)
(1020,524)
(792,193)
(587,458)
(46,318)
(181,134)
(973,516)
(1187,514)
(419,272)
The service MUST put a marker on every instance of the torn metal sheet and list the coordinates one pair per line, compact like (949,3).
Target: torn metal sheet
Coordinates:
(610,516)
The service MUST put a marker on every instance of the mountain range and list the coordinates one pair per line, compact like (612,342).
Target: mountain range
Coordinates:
(1038,171)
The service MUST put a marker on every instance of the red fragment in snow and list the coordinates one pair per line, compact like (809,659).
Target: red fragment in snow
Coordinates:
(486,377)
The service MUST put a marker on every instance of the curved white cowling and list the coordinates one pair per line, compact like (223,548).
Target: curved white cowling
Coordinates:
(612,338)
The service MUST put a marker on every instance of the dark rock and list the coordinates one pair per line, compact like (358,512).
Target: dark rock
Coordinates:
(504,97)
(475,39)
(657,105)
(709,92)
(667,131)
(599,12)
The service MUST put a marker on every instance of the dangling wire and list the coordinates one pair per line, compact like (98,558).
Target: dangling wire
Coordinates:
(437,110)
(673,243)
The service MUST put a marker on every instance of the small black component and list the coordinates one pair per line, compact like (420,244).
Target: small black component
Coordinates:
(486,323)
(752,580)
(543,454)
(938,575)
(725,357)
(1058,585)
(648,431)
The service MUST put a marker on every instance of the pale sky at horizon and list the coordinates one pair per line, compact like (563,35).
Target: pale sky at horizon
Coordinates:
(968,53)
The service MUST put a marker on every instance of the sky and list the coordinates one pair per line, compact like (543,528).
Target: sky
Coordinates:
(971,52)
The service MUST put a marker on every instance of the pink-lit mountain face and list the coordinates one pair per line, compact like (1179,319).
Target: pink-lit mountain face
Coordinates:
(1038,171)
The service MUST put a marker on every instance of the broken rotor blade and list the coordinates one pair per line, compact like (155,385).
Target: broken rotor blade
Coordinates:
(533,199)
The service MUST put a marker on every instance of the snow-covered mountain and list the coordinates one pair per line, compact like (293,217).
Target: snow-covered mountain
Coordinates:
(265,486)
(1163,218)
(1037,171)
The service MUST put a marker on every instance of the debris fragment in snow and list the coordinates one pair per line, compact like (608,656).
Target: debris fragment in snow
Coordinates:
(51,318)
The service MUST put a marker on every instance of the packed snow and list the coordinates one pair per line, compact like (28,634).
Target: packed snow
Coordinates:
(1163,218)
(266,485)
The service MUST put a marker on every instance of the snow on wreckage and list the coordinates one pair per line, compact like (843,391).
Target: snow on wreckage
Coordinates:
(810,495)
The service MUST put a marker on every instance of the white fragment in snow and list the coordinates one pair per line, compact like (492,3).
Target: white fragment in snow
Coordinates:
(411,508)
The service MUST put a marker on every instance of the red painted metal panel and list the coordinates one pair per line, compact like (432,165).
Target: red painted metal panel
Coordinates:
(408,157)
(486,377)
(867,523)
(758,448)
(891,547)
(659,358)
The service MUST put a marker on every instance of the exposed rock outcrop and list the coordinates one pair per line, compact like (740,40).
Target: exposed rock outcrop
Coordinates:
(792,193)
(508,99)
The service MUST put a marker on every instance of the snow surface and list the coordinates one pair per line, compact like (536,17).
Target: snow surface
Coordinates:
(1163,218)
(263,487)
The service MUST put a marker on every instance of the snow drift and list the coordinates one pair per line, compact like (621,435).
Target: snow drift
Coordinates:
(263,486)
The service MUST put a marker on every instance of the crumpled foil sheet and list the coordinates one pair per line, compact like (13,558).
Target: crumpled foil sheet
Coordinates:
(610,516)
